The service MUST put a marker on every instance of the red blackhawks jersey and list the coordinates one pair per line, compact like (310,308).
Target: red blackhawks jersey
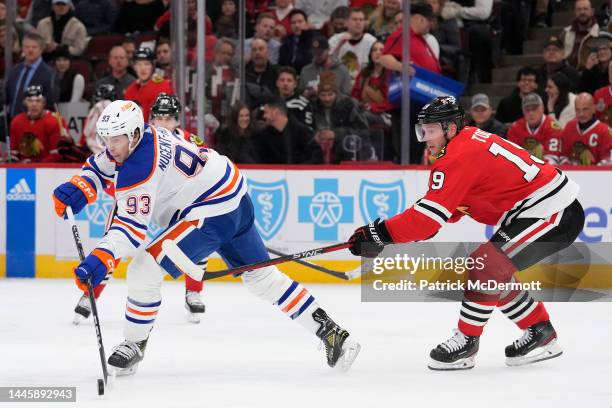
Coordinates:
(548,135)
(145,94)
(603,100)
(589,147)
(488,178)
(36,139)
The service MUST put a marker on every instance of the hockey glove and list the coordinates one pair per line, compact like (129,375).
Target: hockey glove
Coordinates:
(94,268)
(368,241)
(76,193)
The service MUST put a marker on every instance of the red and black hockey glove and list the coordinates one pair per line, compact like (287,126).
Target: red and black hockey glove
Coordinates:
(368,241)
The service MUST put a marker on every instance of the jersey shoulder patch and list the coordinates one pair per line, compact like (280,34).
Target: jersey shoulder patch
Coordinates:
(140,166)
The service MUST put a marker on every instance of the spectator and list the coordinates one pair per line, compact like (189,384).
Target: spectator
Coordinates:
(371,88)
(163,58)
(281,17)
(382,22)
(221,77)
(103,96)
(119,76)
(537,133)
(98,16)
(352,47)
(339,116)
(129,45)
(260,73)
(586,140)
(510,107)
(264,30)
(295,50)
(560,104)
(337,22)
(368,6)
(138,16)
(35,133)
(284,140)
(482,116)
(309,78)
(31,71)
(555,62)
(227,24)
(595,74)
(71,83)
(479,33)
(235,139)
(16,47)
(38,10)
(63,28)
(147,86)
(318,11)
(603,99)
(575,35)
(452,58)
(297,105)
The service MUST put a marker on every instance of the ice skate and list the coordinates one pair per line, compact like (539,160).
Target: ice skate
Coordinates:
(82,310)
(456,353)
(126,356)
(538,343)
(339,350)
(194,306)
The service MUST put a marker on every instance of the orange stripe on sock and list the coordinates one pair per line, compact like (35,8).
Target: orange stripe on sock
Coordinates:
(295,301)
(138,312)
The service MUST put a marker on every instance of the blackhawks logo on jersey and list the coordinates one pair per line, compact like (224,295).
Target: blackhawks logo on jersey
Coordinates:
(555,125)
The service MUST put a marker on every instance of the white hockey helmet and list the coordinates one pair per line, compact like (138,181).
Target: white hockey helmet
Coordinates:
(120,118)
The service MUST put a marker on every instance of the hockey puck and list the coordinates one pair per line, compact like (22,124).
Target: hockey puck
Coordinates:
(100,386)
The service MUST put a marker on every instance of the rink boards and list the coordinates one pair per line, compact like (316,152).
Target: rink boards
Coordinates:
(296,208)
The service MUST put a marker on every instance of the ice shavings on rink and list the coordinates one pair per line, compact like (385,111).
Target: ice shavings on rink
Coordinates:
(245,353)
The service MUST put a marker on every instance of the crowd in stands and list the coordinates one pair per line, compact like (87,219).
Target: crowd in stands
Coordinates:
(317,74)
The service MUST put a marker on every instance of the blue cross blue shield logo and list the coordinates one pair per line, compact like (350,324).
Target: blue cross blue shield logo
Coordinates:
(325,209)
(381,200)
(270,202)
(97,215)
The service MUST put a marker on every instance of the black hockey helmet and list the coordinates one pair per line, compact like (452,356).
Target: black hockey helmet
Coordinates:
(444,110)
(33,91)
(166,105)
(144,53)
(105,92)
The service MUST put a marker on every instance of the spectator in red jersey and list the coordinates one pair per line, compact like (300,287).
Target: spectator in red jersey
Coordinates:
(586,140)
(281,16)
(539,134)
(35,133)
(603,99)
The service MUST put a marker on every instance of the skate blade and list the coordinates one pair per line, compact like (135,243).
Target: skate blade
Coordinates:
(193,318)
(122,372)
(546,352)
(350,352)
(77,319)
(462,364)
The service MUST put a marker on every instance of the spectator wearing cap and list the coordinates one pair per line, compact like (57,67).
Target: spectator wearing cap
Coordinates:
(481,115)
(322,61)
(296,48)
(603,99)
(148,85)
(71,84)
(31,71)
(560,101)
(119,75)
(595,74)
(509,108)
(264,30)
(98,16)
(536,132)
(63,28)
(319,11)
(575,36)
(554,61)
(284,140)
(260,73)
(35,133)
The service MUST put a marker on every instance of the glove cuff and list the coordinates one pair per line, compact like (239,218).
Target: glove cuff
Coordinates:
(106,257)
(383,232)
(86,186)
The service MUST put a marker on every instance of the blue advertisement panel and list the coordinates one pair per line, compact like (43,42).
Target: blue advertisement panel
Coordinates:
(20,223)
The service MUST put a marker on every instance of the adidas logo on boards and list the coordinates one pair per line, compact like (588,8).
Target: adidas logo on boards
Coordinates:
(21,192)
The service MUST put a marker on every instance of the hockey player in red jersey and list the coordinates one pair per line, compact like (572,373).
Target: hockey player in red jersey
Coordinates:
(586,140)
(495,182)
(536,132)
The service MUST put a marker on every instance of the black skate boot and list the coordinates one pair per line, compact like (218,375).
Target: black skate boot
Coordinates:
(82,310)
(126,356)
(338,349)
(194,305)
(538,343)
(456,353)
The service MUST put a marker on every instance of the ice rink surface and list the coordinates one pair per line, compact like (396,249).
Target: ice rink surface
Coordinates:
(245,353)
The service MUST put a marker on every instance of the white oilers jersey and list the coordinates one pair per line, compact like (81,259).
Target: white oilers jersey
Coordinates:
(166,178)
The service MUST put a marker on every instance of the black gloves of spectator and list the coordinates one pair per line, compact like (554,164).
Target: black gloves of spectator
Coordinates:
(368,241)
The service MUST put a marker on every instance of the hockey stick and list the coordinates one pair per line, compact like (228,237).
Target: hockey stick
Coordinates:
(286,258)
(340,275)
(92,301)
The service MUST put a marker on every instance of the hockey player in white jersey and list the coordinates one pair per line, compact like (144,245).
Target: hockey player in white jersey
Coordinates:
(202,198)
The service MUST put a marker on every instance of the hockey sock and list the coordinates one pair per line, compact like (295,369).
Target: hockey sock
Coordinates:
(520,307)
(474,316)
(192,284)
(140,316)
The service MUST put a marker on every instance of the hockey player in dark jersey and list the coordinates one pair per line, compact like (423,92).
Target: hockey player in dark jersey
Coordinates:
(495,182)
